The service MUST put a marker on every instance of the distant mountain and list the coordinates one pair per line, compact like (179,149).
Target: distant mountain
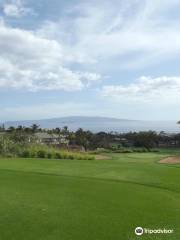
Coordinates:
(97,124)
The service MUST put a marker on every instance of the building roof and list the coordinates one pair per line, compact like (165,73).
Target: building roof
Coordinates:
(44,135)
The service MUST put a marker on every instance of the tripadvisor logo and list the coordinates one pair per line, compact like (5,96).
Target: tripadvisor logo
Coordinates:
(140,231)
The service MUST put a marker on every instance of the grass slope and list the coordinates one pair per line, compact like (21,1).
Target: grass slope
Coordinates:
(88,200)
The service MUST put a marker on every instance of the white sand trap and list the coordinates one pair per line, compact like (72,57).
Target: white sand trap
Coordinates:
(170,160)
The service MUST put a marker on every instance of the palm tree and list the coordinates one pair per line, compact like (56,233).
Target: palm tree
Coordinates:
(20,128)
(34,128)
(57,130)
(65,130)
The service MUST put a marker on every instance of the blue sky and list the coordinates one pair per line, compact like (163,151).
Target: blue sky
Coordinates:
(91,58)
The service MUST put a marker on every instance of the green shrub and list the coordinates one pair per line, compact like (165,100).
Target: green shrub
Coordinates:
(25,154)
(141,150)
(32,154)
(124,150)
(42,151)
(154,150)
(41,154)
(9,155)
(70,157)
(49,155)
(57,155)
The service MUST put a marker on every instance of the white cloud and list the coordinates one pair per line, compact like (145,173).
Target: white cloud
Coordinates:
(16,9)
(160,90)
(35,63)
(137,33)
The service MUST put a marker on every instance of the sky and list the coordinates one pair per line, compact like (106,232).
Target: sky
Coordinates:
(118,58)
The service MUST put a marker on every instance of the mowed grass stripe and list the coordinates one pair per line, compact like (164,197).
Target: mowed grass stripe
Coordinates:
(36,206)
(97,179)
(147,172)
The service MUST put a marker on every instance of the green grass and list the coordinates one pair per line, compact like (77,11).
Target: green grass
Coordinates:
(89,200)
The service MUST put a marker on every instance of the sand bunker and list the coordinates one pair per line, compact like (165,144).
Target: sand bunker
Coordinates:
(170,160)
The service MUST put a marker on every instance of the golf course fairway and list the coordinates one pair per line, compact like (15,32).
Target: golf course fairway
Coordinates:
(43,199)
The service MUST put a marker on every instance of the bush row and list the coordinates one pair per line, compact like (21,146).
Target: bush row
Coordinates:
(9,149)
(125,150)
(135,150)
(53,154)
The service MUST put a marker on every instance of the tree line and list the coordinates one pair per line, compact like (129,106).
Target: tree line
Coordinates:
(90,140)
